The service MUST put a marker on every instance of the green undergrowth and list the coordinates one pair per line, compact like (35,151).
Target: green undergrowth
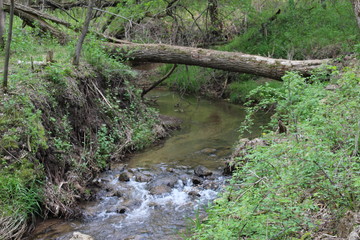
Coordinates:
(301,31)
(306,31)
(304,182)
(61,125)
(183,79)
(239,91)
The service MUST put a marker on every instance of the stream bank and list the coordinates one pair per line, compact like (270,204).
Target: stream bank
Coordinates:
(59,135)
(157,193)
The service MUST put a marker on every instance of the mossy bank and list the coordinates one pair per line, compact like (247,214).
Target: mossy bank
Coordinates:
(60,126)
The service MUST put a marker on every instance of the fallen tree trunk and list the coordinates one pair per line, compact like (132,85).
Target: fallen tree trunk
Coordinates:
(228,61)
(69,5)
(30,16)
(34,12)
(43,25)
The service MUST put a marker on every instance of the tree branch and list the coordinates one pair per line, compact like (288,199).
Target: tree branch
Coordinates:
(159,81)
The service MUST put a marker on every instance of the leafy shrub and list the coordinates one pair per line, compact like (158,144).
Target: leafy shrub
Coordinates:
(240,90)
(282,190)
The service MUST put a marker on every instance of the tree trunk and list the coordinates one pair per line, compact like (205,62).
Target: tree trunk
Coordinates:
(356,6)
(228,61)
(7,50)
(43,25)
(2,25)
(76,59)
(216,24)
(67,5)
(30,16)
(24,9)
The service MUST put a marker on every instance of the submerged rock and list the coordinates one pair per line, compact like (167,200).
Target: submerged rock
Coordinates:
(80,236)
(208,151)
(158,190)
(202,171)
(141,177)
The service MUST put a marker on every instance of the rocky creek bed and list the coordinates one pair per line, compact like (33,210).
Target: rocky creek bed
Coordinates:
(160,192)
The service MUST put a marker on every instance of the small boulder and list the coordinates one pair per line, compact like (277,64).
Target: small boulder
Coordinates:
(140,177)
(158,190)
(166,180)
(202,171)
(125,176)
(115,193)
(196,180)
(122,210)
(210,185)
(194,194)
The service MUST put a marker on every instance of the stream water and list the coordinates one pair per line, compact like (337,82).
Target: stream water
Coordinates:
(156,194)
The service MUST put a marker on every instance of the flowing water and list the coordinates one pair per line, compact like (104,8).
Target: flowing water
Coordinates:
(155,194)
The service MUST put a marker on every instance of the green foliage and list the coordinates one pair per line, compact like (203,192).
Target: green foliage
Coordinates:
(56,74)
(20,120)
(240,91)
(307,31)
(185,78)
(110,68)
(277,192)
(105,147)
(136,121)
(302,30)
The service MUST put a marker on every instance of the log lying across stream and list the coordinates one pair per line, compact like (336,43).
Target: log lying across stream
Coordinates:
(162,53)
(228,61)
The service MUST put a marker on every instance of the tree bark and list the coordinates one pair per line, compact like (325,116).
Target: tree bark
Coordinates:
(69,5)
(30,16)
(43,25)
(7,50)
(85,30)
(228,61)
(25,9)
(2,25)
(356,6)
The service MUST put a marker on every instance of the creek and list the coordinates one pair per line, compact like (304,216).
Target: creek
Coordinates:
(156,194)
